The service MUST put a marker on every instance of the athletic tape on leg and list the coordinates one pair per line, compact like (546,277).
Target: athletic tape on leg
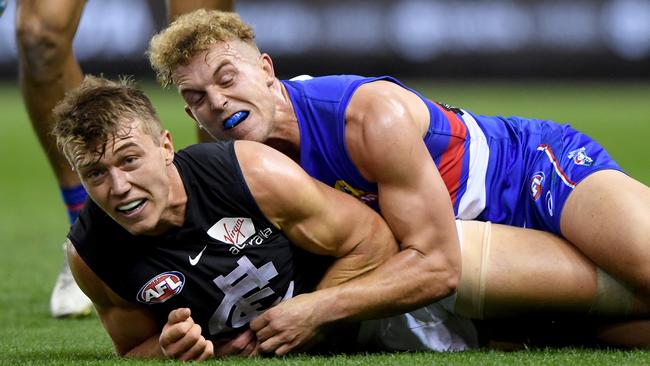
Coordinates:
(470,299)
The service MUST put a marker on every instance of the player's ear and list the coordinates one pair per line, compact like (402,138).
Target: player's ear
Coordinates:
(267,67)
(167,144)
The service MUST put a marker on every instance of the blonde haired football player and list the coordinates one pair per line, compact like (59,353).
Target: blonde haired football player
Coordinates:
(423,163)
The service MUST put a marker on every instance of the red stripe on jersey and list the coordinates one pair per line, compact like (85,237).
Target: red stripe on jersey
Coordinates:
(451,161)
(556,165)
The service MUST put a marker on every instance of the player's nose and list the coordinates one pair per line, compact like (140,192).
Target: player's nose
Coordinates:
(119,182)
(218,101)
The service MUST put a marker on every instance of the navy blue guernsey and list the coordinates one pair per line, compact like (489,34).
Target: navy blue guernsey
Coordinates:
(227,262)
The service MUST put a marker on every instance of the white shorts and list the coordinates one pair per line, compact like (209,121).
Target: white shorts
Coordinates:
(432,328)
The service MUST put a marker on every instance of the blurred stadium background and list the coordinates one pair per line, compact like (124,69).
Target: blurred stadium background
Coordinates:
(583,62)
(419,38)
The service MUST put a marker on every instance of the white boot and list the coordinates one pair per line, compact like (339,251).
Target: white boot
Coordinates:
(68,301)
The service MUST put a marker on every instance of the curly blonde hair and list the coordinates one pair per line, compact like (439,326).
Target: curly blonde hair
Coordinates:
(91,114)
(191,34)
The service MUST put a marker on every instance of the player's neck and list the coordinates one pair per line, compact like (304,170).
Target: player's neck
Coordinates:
(285,134)
(174,215)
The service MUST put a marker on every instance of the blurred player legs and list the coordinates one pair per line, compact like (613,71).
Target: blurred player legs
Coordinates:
(67,300)
(47,69)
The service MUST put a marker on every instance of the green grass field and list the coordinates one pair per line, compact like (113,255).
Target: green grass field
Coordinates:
(33,221)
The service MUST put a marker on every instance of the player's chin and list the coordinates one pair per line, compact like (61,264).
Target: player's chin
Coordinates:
(248,133)
(134,228)
(248,129)
(144,225)
(141,228)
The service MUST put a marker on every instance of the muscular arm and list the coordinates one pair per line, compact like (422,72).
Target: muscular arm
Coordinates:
(328,222)
(315,217)
(132,329)
(385,124)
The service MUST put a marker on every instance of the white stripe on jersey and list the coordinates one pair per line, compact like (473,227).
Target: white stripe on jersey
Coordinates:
(556,165)
(472,203)
(302,77)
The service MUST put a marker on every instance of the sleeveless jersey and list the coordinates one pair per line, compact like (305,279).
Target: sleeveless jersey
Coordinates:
(227,262)
(512,170)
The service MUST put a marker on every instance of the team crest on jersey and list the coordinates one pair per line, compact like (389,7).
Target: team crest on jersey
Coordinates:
(247,293)
(161,288)
(579,157)
(365,197)
(536,185)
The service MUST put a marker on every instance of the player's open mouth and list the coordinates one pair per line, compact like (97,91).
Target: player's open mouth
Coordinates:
(234,120)
(131,207)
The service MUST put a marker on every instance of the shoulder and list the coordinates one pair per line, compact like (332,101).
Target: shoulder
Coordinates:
(330,88)
(386,103)
(255,157)
(206,161)
(205,151)
(276,183)
(308,81)
(378,98)
(383,114)
(92,226)
(98,241)
(88,280)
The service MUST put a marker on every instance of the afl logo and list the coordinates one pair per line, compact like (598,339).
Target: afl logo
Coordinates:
(536,185)
(162,287)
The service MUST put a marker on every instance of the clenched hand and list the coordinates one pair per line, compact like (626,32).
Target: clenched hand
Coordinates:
(288,325)
(244,344)
(181,338)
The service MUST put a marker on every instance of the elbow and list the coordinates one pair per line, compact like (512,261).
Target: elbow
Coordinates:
(442,276)
(129,354)
(447,284)
(453,270)
(126,352)
(451,279)
(446,276)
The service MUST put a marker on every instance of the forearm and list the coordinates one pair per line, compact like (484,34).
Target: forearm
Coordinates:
(407,281)
(377,246)
(374,279)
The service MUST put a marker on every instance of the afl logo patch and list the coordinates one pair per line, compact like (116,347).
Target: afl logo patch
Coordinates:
(536,185)
(232,230)
(161,288)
